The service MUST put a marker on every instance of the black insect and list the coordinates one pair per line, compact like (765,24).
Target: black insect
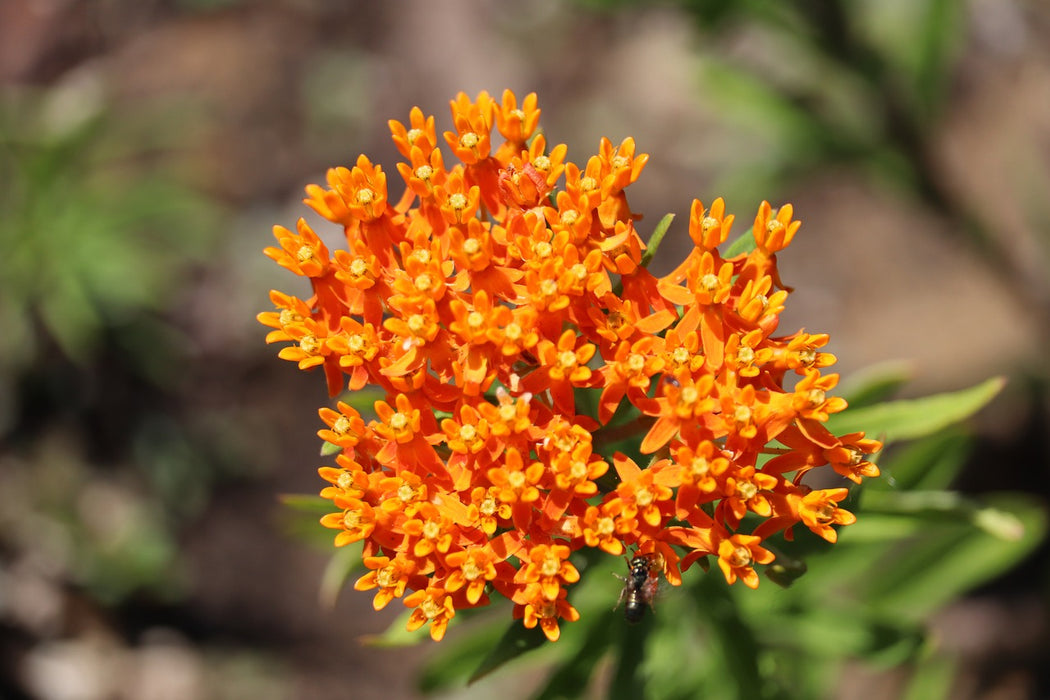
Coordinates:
(639,587)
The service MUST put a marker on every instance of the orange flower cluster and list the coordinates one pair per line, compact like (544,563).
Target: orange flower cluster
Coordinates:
(485,303)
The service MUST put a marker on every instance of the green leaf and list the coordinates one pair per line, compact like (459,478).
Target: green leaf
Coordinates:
(875,383)
(914,418)
(573,675)
(307,503)
(396,635)
(455,663)
(654,240)
(515,642)
(742,244)
(946,559)
(933,678)
(328,449)
(341,566)
(929,464)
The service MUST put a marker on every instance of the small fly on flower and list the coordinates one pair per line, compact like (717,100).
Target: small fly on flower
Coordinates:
(640,585)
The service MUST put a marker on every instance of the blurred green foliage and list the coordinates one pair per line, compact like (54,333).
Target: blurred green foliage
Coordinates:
(96,231)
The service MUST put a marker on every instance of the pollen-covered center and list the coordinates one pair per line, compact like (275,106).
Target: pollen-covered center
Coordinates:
(746,490)
(476,320)
(417,323)
(399,421)
(457,201)
(469,140)
(365,196)
(467,433)
(567,359)
(341,426)
(740,557)
(424,173)
(551,566)
(309,344)
(304,253)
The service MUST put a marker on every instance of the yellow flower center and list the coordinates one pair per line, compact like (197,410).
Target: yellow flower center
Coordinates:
(512,332)
(516,480)
(773,227)
(587,184)
(567,359)
(636,362)
(417,323)
(745,355)
(458,201)
(304,253)
(358,267)
(488,506)
(763,300)
(741,557)
(345,480)
(467,433)
(309,344)
(825,513)
(619,162)
(548,288)
(471,571)
(341,425)
(688,396)
(550,567)
(579,271)
(507,412)
(569,217)
(709,282)
(856,456)
(742,414)
(356,343)
(644,498)
(680,356)
(605,526)
(578,471)
(807,356)
(431,530)
(542,249)
(414,135)
(475,319)
(423,254)
(424,173)
(398,421)
(365,196)
(699,467)
(423,282)
(469,140)
(471,246)
(431,608)
(542,163)
(708,224)
(387,577)
(405,493)
(815,397)
(516,114)
(746,490)
(288,317)
(351,519)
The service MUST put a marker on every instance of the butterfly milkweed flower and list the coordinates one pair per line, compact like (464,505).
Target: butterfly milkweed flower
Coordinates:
(502,307)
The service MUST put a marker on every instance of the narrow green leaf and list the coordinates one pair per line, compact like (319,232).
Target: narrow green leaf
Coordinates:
(515,642)
(948,560)
(396,635)
(341,566)
(328,449)
(742,244)
(574,672)
(932,679)
(452,667)
(928,464)
(307,503)
(654,240)
(875,383)
(914,418)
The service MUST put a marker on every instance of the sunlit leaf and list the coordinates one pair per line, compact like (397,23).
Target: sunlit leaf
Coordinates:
(914,418)
(654,240)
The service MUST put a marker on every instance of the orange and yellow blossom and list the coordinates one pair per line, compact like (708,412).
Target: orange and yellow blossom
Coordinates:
(502,309)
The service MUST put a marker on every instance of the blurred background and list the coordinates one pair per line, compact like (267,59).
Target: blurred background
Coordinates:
(148,146)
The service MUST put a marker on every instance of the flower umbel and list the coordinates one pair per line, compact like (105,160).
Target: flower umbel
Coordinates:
(484,304)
